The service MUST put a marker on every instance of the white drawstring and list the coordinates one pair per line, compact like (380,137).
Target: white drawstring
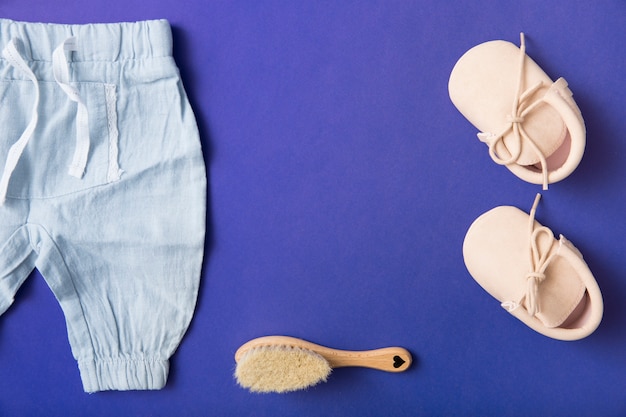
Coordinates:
(11,54)
(60,68)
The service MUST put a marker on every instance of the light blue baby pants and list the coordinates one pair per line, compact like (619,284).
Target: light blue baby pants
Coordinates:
(103,190)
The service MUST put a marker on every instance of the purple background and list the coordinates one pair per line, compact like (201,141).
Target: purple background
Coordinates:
(342,182)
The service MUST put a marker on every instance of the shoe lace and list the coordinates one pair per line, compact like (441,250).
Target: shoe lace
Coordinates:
(520,108)
(540,259)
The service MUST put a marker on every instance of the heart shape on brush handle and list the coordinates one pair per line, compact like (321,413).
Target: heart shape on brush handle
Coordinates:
(398,361)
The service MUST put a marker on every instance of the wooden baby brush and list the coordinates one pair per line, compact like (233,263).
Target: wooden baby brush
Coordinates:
(282,363)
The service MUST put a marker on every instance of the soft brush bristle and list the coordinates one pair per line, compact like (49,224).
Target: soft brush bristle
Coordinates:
(281,369)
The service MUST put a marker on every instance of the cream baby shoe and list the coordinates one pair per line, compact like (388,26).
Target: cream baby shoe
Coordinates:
(530,124)
(542,281)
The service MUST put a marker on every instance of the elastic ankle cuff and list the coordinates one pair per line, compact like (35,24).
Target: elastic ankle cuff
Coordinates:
(123,374)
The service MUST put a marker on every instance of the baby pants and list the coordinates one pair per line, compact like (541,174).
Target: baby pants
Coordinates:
(103,190)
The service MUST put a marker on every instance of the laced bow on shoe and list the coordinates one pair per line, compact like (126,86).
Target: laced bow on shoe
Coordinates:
(520,108)
(540,259)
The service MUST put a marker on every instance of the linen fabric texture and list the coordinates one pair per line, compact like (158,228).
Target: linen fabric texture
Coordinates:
(121,243)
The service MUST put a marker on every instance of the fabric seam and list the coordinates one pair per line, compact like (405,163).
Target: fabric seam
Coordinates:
(114,171)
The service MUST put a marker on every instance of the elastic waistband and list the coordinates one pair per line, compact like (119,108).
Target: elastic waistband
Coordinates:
(95,42)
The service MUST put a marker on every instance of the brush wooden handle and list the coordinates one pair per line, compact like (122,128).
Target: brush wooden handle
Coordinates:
(390,359)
